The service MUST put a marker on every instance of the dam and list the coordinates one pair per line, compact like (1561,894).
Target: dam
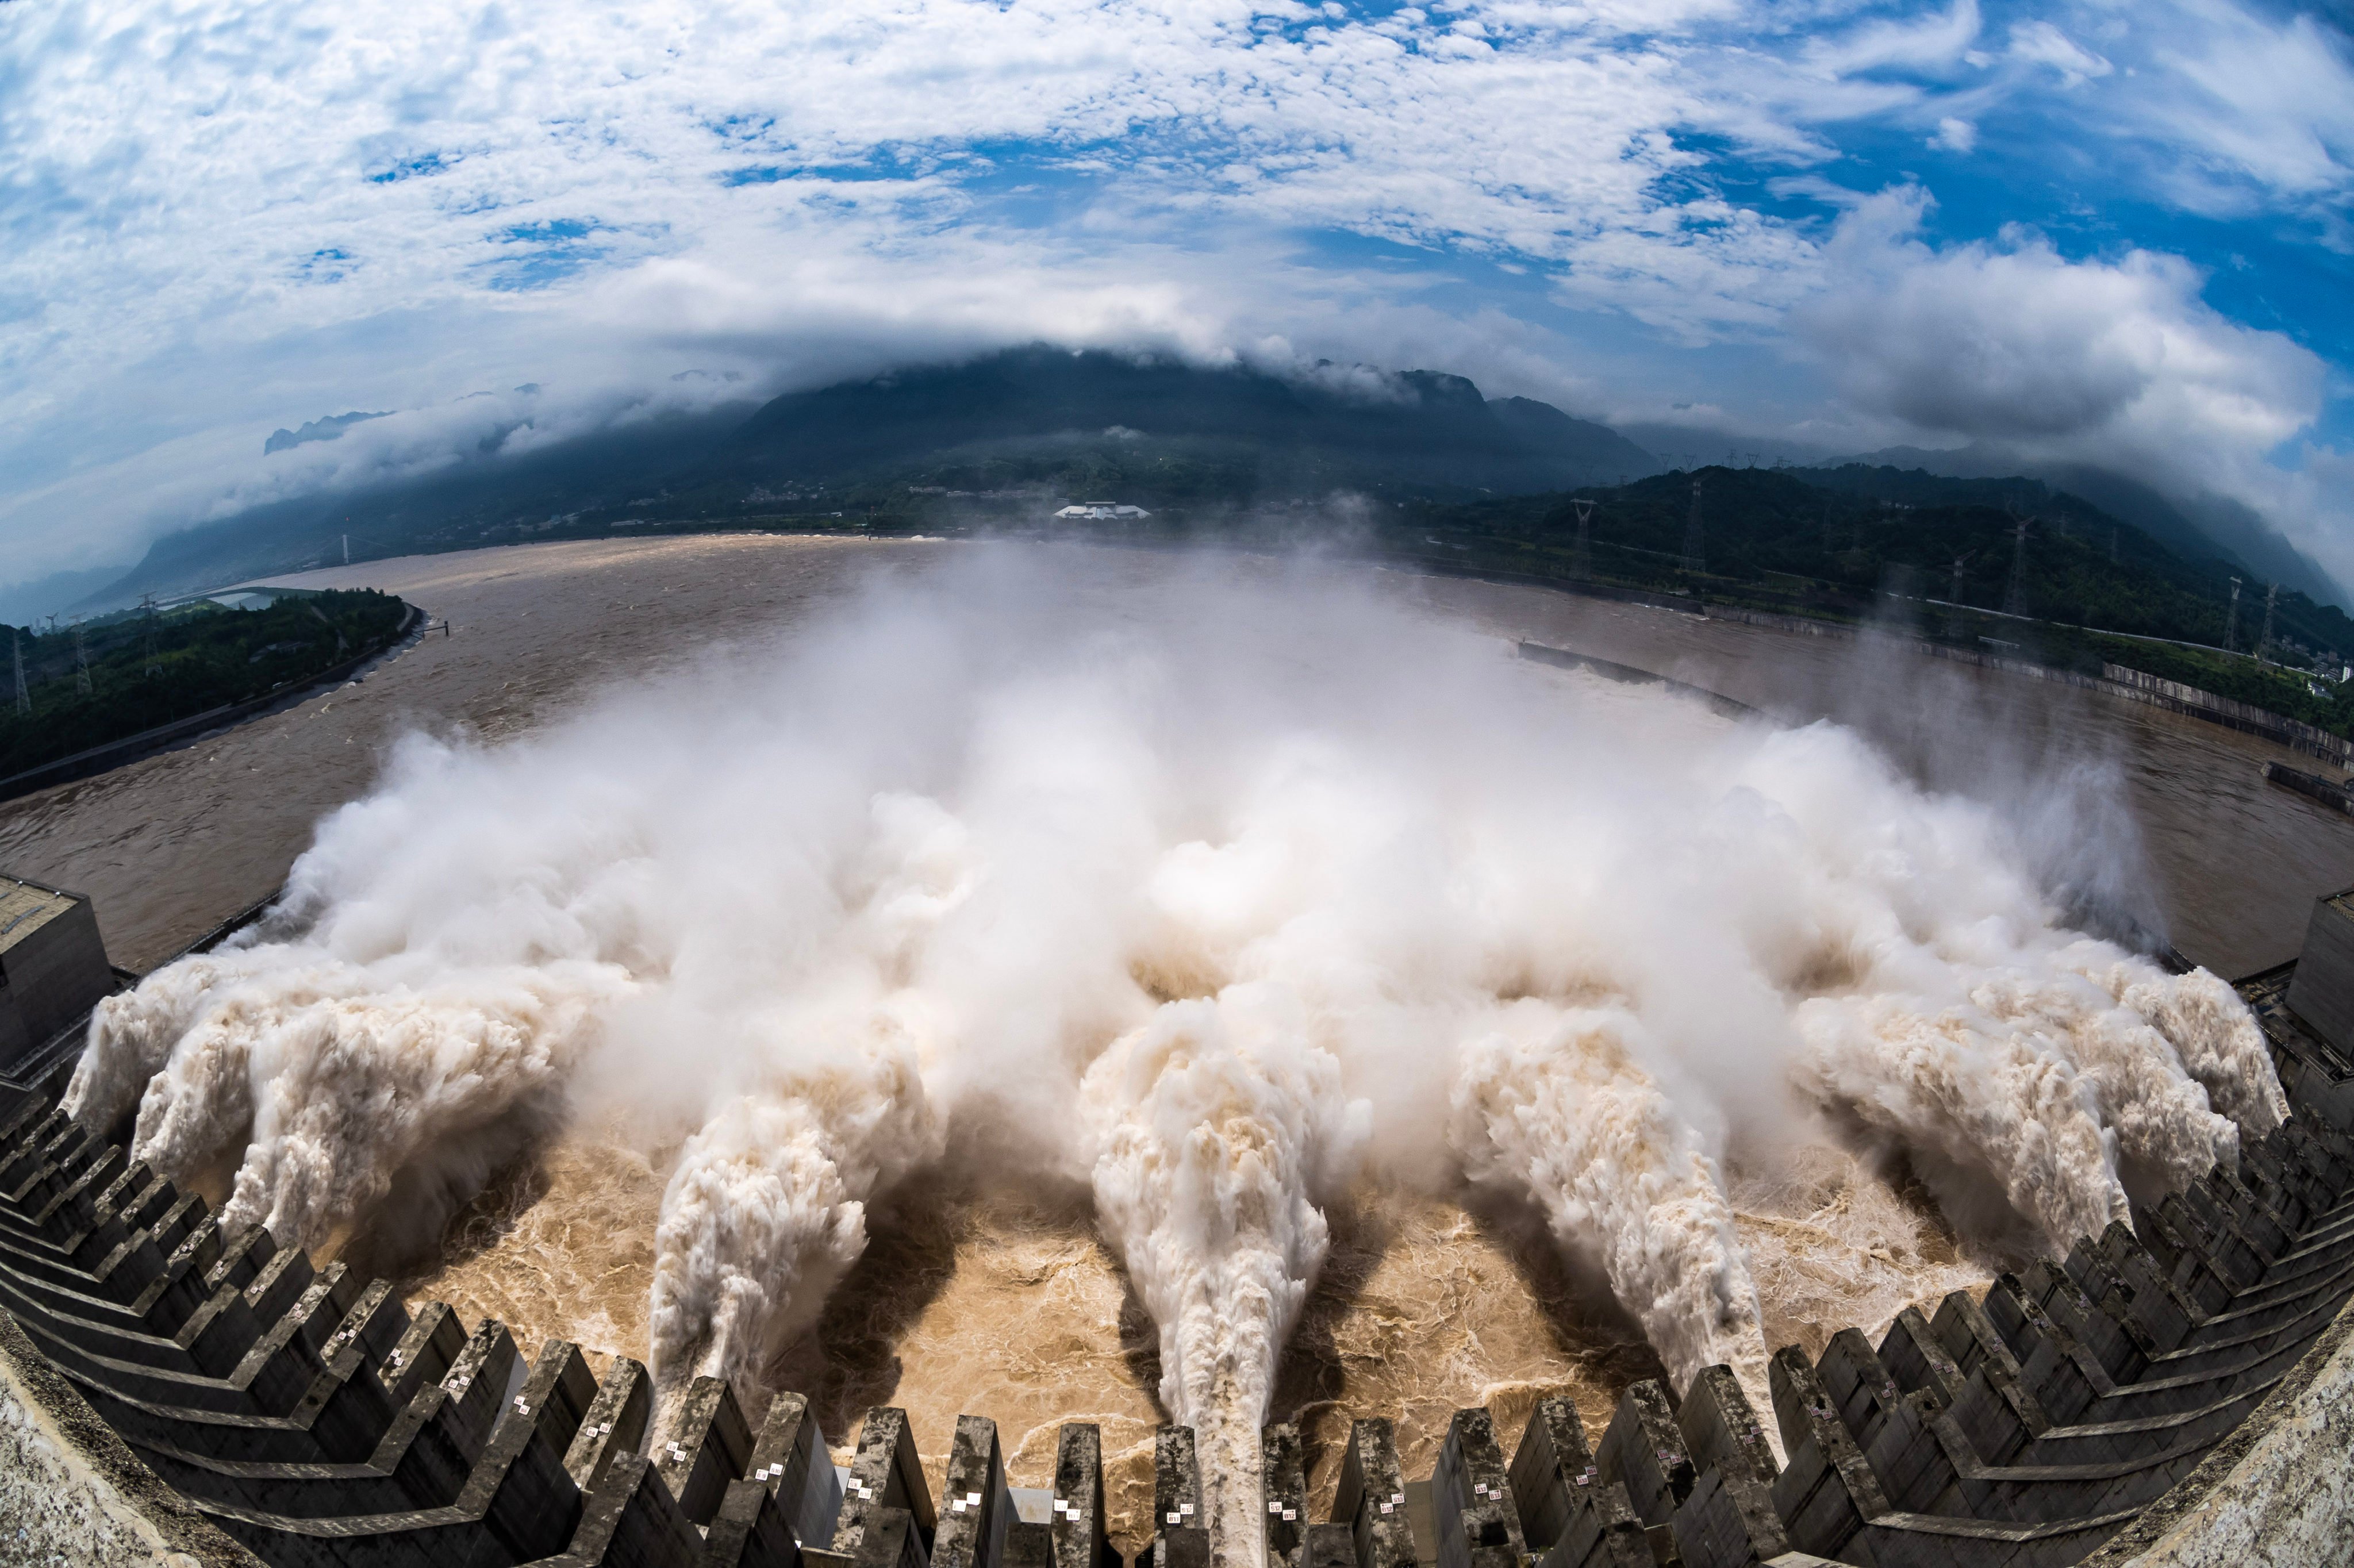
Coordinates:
(1056,1405)
(2147,1401)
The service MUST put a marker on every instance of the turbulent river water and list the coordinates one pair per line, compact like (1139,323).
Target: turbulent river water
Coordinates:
(1011,1300)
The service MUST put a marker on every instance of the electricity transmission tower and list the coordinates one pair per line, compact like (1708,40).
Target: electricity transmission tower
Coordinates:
(1959,562)
(2272,592)
(2014,602)
(81,662)
(1695,555)
(24,698)
(147,637)
(1581,563)
(2231,618)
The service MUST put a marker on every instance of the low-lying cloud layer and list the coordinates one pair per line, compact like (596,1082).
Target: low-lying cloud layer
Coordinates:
(223,220)
(1210,898)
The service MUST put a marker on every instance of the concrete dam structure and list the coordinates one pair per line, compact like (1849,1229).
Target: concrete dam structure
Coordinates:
(2177,1392)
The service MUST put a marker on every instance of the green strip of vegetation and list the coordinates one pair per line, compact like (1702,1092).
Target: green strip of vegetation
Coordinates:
(108,680)
(1938,557)
(1845,545)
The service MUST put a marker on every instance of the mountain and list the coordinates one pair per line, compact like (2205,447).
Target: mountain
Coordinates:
(1014,430)
(2198,528)
(477,500)
(57,594)
(2082,588)
(1268,435)
(326,429)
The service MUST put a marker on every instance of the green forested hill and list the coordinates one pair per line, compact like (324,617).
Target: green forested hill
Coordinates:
(146,670)
(1937,553)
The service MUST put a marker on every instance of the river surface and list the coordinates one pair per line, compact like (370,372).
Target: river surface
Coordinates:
(1009,1305)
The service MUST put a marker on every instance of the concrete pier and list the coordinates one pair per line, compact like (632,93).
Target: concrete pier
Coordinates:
(2177,1393)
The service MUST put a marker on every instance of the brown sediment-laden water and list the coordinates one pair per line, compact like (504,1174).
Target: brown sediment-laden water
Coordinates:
(1073,985)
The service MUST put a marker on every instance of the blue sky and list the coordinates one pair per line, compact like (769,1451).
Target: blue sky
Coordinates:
(2112,232)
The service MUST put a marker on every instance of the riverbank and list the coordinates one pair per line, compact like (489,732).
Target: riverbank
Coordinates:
(188,731)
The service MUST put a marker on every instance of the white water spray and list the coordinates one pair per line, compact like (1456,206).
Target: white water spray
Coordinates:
(1219,1124)
(1552,1102)
(1214,893)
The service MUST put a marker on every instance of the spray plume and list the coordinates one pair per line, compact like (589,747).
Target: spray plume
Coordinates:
(1217,890)
(1220,1123)
(1552,1103)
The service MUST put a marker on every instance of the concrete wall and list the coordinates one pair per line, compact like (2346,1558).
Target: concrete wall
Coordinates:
(71,1494)
(2179,1393)
(2280,1492)
(55,974)
(2321,991)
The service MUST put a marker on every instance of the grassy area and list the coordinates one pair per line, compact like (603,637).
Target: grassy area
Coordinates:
(2292,693)
(143,671)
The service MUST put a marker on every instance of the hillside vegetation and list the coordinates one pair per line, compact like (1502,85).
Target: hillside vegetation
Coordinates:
(1011,435)
(144,671)
(1415,465)
(1938,555)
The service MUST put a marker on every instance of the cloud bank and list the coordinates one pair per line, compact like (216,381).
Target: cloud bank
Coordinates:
(223,220)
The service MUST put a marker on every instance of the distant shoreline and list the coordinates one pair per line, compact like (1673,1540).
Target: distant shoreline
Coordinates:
(161,737)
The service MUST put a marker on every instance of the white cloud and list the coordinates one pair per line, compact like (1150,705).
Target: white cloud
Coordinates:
(2271,103)
(1915,43)
(2116,360)
(2220,107)
(217,218)
(2041,43)
(226,218)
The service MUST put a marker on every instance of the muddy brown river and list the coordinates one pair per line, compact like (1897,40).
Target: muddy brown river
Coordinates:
(1008,1304)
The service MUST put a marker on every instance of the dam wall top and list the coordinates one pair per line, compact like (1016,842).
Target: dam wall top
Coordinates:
(2170,1393)
(2175,1394)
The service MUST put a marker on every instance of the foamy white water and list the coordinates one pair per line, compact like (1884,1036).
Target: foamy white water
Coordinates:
(1220,1123)
(1211,897)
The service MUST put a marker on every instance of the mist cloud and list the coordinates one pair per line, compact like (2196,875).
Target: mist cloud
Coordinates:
(1213,896)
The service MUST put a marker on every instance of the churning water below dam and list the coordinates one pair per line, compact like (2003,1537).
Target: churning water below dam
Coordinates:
(1019,1299)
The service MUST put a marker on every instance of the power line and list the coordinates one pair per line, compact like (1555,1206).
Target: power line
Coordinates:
(2015,600)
